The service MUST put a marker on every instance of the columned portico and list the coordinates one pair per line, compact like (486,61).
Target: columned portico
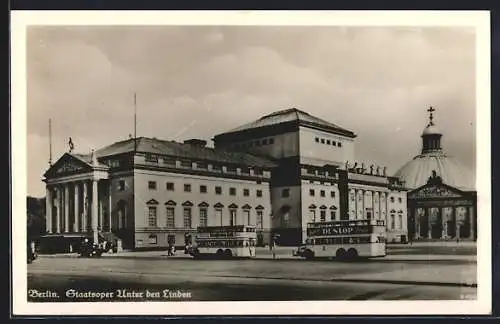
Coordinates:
(68,193)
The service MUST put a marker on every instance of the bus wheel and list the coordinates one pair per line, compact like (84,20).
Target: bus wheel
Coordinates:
(220,253)
(308,254)
(352,254)
(228,253)
(340,254)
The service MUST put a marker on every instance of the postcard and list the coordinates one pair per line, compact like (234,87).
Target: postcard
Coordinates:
(251,163)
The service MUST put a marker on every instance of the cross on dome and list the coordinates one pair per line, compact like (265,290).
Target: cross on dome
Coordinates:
(431,117)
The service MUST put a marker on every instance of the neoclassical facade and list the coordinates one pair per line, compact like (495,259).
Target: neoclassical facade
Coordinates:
(149,193)
(278,173)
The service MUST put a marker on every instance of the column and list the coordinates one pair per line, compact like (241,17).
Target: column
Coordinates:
(452,215)
(85,207)
(110,209)
(443,223)
(429,226)
(417,222)
(58,209)
(471,222)
(48,209)
(95,200)
(355,204)
(101,216)
(66,208)
(77,209)
(457,226)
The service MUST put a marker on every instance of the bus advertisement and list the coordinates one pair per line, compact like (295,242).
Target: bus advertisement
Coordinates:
(345,239)
(225,241)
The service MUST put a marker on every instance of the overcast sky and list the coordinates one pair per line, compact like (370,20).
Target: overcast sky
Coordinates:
(194,82)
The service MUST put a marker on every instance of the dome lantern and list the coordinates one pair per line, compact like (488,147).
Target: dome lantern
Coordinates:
(431,136)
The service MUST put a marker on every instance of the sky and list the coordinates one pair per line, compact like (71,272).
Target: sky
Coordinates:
(197,81)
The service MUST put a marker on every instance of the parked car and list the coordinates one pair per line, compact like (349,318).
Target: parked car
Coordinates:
(90,249)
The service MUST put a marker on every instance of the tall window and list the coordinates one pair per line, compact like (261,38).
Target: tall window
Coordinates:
(400,221)
(312,215)
(218,190)
(285,193)
(393,221)
(232,191)
(259,193)
(322,215)
(170,217)
(203,217)
(232,217)
(170,186)
(333,215)
(260,223)
(152,185)
(246,192)
(322,193)
(286,219)
(203,189)
(187,187)
(218,216)
(311,192)
(152,216)
(152,158)
(332,194)
(121,185)
(246,216)
(187,218)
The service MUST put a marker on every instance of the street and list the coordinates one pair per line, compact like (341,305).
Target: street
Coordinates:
(405,274)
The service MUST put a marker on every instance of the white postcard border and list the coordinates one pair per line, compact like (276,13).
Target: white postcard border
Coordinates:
(480,20)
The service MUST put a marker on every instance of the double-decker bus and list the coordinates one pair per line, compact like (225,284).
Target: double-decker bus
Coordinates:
(345,239)
(225,241)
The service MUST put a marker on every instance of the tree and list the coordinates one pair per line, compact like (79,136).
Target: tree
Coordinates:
(35,216)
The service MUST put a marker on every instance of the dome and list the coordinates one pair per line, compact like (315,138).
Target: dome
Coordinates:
(416,172)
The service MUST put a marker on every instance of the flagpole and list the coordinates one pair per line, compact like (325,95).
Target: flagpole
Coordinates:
(135,121)
(50,142)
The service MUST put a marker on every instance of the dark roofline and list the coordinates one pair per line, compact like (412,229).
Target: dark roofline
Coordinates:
(266,162)
(280,128)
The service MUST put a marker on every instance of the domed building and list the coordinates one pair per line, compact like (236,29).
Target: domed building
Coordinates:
(442,200)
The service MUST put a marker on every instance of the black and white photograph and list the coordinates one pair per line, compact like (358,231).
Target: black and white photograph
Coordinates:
(264,162)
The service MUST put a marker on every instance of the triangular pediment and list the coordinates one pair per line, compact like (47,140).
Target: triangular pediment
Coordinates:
(431,191)
(67,165)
